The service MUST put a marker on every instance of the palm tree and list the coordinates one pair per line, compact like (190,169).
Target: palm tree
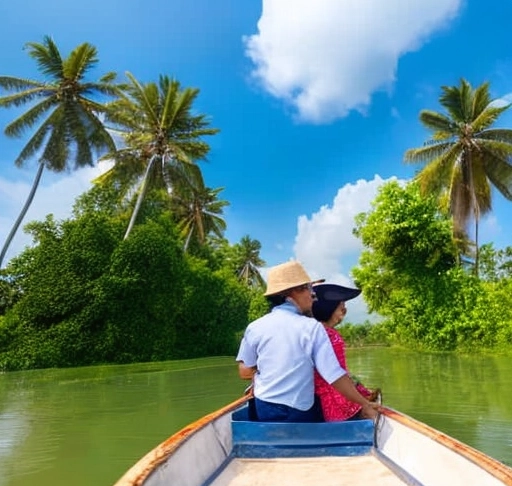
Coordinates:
(161,136)
(198,209)
(465,157)
(71,128)
(248,260)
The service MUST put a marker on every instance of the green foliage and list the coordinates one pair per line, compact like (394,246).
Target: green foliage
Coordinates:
(363,334)
(495,264)
(241,259)
(259,305)
(139,296)
(214,308)
(409,275)
(406,239)
(9,293)
(87,297)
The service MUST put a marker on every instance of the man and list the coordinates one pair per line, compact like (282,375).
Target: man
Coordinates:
(280,351)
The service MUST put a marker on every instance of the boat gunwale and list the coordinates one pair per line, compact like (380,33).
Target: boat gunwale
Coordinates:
(494,467)
(143,468)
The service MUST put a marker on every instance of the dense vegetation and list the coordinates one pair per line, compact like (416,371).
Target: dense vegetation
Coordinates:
(142,271)
(83,294)
(410,275)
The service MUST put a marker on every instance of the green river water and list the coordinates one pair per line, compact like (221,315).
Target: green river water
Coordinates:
(86,426)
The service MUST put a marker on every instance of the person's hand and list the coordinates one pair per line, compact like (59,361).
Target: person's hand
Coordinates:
(370,410)
(375,396)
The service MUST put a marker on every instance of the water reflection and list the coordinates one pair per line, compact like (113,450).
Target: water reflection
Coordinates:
(86,426)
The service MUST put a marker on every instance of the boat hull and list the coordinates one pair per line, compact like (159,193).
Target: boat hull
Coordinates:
(224,448)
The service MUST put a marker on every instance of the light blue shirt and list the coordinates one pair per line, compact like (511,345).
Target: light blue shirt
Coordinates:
(286,346)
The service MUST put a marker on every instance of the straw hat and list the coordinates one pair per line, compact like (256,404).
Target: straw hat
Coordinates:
(286,276)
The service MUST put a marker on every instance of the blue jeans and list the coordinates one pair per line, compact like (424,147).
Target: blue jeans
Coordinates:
(277,412)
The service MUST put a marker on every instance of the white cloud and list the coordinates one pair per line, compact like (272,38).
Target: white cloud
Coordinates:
(325,244)
(327,57)
(55,195)
(504,100)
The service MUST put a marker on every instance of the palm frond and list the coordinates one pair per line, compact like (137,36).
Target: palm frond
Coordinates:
(79,131)
(437,122)
(180,115)
(56,150)
(480,187)
(481,99)
(458,101)
(47,56)
(487,117)
(108,78)
(498,149)
(429,152)
(499,171)
(26,96)
(28,119)
(11,83)
(434,176)
(100,139)
(35,143)
(82,58)
(169,90)
(145,94)
(497,134)
(103,88)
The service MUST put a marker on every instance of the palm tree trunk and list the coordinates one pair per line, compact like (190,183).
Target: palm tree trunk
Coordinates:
(477,251)
(22,214)
(140,197)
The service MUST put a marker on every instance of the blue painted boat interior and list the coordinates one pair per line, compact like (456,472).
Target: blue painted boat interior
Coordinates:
(266,439)
(261,440)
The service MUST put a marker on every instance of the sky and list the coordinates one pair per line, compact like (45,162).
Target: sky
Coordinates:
(316,102)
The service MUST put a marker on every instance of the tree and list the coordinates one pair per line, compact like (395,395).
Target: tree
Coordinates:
(248,260)
(161,136)
(72,128)
(405,269)
(406,240)
(495,264)
(198,210)
(464,156)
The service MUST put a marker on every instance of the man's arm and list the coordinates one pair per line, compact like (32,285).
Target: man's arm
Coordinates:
(346,387)
(246,372)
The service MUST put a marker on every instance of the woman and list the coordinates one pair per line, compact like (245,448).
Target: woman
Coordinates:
(329,308)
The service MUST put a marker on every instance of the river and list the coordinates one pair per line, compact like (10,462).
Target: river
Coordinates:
(86,426)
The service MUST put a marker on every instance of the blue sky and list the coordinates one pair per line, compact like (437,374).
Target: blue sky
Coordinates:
(316,102)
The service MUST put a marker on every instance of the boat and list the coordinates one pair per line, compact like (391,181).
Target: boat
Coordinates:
(226,448)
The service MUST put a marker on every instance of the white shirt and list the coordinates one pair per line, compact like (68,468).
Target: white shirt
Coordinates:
(286,346)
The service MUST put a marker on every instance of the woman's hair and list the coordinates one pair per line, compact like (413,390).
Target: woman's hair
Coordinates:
(324,309)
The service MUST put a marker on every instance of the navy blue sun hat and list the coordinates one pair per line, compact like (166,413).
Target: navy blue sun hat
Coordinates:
(328,297)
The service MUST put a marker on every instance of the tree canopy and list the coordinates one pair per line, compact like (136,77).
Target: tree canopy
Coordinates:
(465,156)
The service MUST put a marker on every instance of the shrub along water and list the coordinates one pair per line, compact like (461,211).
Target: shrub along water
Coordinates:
(86,296)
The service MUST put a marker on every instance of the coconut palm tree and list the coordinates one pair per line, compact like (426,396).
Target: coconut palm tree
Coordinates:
(465,157)
(161,135)
(248,258)
(68,130)
(198,209)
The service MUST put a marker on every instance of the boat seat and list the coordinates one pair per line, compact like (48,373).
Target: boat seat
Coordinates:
(278,439)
